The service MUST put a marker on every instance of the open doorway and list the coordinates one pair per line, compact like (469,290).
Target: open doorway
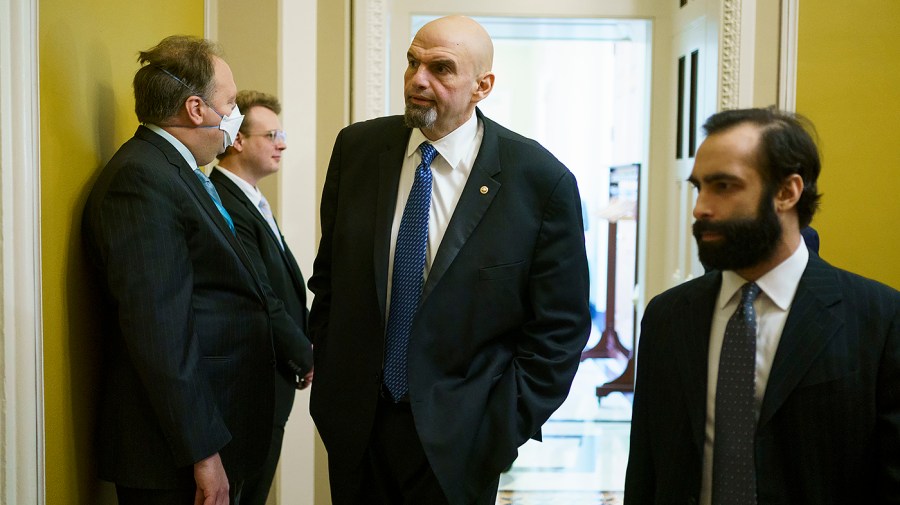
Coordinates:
(581,88)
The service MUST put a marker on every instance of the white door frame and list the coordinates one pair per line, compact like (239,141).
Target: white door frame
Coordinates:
(21,356)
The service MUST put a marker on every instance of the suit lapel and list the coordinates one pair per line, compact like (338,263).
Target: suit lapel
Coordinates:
(202,198)
(390,163)
(251,209)
(472,205)
(810,325)
(693,353)
(207,204)
(238,193)
(192,182)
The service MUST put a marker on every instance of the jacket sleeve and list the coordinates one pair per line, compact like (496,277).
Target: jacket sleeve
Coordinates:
(293,350)
(549,349)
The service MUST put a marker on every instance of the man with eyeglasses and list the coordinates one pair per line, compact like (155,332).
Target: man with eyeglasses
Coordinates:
(256,154)
(189,327)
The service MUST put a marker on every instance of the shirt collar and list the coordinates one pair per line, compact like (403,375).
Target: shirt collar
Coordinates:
(252,192)
(453,147)
(185,152)
(779,283)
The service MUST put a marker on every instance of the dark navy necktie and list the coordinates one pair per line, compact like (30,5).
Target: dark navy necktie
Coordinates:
(408,276)
(208,186)
(734,470)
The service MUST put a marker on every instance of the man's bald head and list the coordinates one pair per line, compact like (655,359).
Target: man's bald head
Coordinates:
(465,34)
(449,72)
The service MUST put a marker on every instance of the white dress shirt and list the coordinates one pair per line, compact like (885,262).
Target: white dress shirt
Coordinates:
(777,289)
(450,171)
(253,194)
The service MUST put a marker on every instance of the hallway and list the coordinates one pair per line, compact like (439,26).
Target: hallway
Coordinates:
(582,458)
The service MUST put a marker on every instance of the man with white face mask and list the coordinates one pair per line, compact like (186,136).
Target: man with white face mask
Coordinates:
(187,407)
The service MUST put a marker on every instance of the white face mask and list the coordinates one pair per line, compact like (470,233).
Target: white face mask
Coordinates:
(230,124)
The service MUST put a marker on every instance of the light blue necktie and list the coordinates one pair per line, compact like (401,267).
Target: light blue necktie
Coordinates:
(208,186)
(408,276)
(734,469)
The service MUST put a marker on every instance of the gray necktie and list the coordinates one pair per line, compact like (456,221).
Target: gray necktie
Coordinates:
(266,211)
(734,470)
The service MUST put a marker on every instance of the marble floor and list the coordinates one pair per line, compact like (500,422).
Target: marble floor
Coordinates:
(582,458)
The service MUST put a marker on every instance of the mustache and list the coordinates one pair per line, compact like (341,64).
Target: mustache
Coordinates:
(722,227)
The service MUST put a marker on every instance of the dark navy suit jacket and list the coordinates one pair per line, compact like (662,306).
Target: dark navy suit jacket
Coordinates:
(504,311)
(829,424)
(188,359)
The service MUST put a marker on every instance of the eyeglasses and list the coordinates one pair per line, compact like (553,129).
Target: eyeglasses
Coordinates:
(272,135)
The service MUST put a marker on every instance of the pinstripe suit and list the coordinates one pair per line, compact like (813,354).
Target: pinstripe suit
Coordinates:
(829,425)
(188,328)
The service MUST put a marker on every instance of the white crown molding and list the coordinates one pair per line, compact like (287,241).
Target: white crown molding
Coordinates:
(21,405)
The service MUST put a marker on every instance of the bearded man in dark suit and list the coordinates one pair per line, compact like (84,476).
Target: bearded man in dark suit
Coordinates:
(775,377)
(187,406)
(494,305)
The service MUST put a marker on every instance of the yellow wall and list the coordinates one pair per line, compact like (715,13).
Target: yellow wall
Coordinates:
(88,52)
(847,84)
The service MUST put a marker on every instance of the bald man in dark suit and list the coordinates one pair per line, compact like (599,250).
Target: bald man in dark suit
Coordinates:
(498,315)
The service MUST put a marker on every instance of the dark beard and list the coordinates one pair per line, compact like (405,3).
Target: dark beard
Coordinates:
(745,242)
(417,116)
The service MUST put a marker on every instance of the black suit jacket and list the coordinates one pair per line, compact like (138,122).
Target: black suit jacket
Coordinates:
(188,362)
(276,267)
(829,426)
(504,312)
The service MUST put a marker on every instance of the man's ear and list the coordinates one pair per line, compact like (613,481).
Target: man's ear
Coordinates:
(193,107)
(484,85)
(238,145)
(789,193)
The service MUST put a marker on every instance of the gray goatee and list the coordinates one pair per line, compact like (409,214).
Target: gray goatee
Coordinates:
(417,116)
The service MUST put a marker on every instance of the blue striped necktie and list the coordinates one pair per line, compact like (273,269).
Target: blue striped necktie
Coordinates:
(408,276)
(208,186)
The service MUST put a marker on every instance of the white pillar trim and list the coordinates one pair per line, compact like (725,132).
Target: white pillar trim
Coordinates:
(371,19)
(297,204)
(787,74)
(730,55)
(21,355)
(211,19)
